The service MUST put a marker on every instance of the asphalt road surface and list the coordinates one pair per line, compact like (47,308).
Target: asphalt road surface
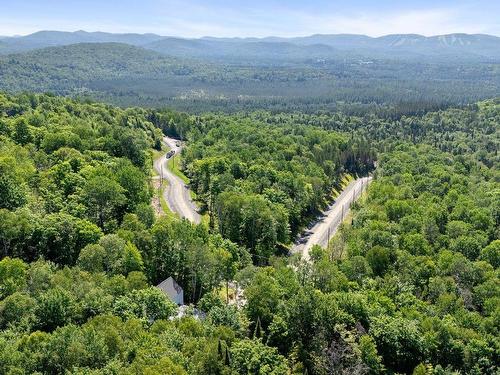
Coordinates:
(327,225)
(176,194)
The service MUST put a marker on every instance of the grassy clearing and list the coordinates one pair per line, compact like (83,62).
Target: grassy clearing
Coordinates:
(174,164)
(155,154)
(164,206)
(225,293)
(158,153)
(205,219)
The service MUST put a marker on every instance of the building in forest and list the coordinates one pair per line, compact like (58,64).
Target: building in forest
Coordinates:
(172,290)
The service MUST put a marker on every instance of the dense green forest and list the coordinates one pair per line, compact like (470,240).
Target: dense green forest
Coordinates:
(129,75)
(261,182)
(410,284)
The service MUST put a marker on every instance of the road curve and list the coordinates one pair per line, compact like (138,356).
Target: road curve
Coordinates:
(327,225)
(176,194)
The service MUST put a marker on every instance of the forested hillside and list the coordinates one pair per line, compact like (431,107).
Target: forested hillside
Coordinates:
(410,284)
(128,75)
(250,173)
(73,67)
(410,287)
(467,47)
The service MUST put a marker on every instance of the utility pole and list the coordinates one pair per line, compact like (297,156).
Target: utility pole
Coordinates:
(159,198)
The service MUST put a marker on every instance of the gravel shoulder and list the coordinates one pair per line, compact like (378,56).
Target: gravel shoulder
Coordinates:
(327,225)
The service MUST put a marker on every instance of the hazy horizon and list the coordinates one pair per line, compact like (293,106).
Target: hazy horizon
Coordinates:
(221,18)
(236,37)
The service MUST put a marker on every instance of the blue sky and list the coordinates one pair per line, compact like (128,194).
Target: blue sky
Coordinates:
(195,18)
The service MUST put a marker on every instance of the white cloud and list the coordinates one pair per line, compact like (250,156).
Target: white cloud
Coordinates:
(280,21)
(425,22)
(192,18)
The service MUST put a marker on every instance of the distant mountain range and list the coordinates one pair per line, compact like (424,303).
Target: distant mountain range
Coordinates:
(43,39)
(307,73)
(404,46)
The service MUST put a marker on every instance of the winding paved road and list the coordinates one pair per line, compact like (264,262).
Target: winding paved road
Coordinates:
(178,199)
(326,226)
(176,194)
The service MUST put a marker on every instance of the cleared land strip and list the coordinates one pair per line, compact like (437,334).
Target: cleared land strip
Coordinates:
(176,194)
(326,227)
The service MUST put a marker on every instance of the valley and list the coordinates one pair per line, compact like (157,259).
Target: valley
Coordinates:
(276,205)
(405,73)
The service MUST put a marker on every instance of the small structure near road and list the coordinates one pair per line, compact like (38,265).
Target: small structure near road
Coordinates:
(172,290)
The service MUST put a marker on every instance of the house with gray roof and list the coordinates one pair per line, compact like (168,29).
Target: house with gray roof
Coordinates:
(172,290)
